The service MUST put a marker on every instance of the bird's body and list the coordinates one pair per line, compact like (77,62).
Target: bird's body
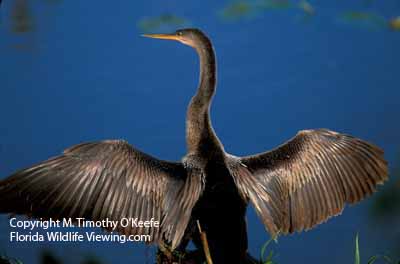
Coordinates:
(292,188)
(220,209)
(221,212)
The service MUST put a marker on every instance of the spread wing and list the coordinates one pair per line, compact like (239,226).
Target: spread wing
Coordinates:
(311,177)
(108,179)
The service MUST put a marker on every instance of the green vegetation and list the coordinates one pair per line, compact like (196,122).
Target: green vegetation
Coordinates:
(267,258)
(384,258)
(23,19)
(236,10)
(357,252)
(164,22)
(368,19)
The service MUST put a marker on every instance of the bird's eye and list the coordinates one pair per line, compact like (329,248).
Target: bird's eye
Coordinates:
(179,33)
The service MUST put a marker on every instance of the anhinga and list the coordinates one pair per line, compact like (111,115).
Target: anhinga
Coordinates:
(292,187)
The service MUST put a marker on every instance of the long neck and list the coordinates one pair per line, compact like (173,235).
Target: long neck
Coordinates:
(208,75)
(199,132)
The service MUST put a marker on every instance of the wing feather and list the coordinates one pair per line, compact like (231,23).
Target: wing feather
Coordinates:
(311,178)
(107,179)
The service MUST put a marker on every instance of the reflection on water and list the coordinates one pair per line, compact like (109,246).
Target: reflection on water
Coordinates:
(237,10)
(307,7)
(394,23)
(244,9)
(367,19)
(275,4)
(53,2)
(165,22)
(22,20)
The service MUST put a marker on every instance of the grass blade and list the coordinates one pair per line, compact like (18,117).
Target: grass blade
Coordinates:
(357,252)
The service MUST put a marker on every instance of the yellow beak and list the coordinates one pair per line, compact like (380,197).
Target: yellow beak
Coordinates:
(162,36)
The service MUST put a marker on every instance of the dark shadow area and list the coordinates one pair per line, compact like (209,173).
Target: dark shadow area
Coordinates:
(385,210)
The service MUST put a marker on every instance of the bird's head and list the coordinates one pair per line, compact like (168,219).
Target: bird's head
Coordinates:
(189,36)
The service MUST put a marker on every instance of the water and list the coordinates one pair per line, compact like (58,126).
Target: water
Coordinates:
(88,75)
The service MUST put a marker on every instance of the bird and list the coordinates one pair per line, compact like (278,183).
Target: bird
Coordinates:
(292,188)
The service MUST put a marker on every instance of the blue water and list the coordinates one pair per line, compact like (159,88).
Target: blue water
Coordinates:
(88,75)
